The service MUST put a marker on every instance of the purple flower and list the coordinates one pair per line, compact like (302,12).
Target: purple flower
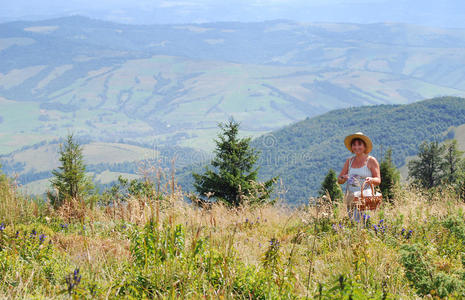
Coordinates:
(403,231)
(2,226)
(375,228)
(17,234)
(41,238)
(409,234)
(247,220)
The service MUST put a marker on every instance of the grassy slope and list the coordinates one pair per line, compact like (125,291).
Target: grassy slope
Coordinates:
(227,253)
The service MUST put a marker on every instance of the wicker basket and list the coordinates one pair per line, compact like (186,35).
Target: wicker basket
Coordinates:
(367,202)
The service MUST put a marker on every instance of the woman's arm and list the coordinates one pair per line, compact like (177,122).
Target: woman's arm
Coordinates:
(343,176)
(373,165)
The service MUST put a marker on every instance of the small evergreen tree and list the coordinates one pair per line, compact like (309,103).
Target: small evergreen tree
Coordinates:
(234,178)
(331,186)
(427,170)
(390,176)
(69,181)
(452,162)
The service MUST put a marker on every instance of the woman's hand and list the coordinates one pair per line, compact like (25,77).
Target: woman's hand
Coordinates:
(373,180)
(342,178)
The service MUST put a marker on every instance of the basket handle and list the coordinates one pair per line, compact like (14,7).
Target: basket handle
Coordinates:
(363,187)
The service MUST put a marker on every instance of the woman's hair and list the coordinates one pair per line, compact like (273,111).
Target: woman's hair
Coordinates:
(357,139)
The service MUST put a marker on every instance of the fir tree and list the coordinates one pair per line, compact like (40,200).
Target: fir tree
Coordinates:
(331,186)
(234,177)
(69,181)
(390,176)
(427,170)
(452,162)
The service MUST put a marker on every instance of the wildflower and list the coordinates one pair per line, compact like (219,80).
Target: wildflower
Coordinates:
(375,228)
(73,280)
(381,221)
(33,233)
(247,220)
(274,242)
(17,234)
(2,226)
(64,226)
(409,234)
(76,274)
(403,231)
(41,238)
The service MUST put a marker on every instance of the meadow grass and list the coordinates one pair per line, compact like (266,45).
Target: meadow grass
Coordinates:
(163,247)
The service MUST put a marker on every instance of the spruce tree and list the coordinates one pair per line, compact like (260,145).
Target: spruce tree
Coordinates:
(331,186)
(233,178)
(427,170)
(390,176)
(452,162)
(69,180)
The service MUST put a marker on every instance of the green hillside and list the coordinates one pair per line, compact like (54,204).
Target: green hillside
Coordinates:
(303,153)
(173,83)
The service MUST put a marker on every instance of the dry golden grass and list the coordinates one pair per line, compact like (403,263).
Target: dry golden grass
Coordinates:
(309,253)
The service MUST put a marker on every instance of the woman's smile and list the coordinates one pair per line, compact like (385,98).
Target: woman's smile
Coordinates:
(358,147)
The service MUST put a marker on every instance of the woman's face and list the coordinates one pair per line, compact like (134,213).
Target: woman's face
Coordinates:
(358,147)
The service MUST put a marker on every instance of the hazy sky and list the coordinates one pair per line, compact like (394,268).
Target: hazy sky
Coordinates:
(440,13)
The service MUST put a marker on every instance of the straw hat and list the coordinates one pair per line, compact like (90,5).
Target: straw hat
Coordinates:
(358,135)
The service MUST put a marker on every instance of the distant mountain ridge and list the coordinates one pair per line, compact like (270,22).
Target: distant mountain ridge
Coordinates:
(173,83)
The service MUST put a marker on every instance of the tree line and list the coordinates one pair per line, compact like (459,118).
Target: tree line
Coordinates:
(232,177)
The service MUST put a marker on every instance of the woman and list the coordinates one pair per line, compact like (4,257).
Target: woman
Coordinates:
(359,168)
